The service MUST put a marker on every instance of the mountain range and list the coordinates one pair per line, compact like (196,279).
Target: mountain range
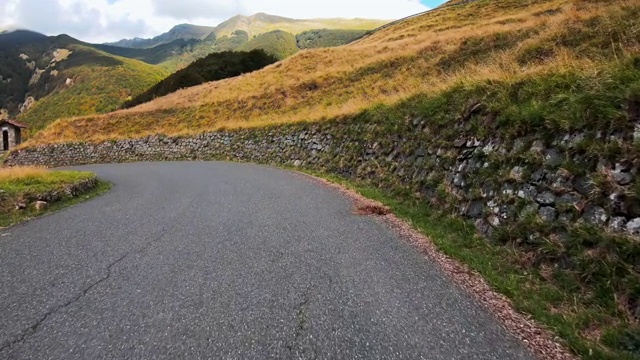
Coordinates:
(178,32)
(253,25)
(43,78)
(280,36)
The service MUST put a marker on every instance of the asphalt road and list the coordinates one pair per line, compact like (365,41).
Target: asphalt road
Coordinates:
(228,261)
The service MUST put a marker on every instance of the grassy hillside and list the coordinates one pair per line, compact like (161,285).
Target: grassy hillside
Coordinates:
(230,42)
(99,83)
(16,70)
(278,43)
(57,77)
(19,37)
(314,39)
(180,53)
(183,32)
(156,55)
(186,43)
(262,23)
(478,41)
(28,185)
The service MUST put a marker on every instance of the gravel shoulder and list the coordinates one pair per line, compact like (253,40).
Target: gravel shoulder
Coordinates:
(541,342)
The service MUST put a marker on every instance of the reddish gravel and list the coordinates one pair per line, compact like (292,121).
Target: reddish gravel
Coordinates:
(534,337)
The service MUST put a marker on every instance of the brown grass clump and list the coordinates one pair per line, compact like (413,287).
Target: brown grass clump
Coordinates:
(21,173)
(366,207)
(466,43)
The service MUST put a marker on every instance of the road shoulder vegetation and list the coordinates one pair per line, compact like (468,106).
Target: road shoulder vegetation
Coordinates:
(28,192)
(527,290)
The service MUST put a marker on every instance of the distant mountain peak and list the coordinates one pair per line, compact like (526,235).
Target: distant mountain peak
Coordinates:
(270,18)
(178,32)
(261,17)
(21,31)
(19,37)
(253,25)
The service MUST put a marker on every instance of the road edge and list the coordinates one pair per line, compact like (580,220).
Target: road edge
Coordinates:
(541,342)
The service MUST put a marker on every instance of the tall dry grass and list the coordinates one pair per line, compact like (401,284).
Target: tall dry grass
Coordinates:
(479,41)
(21,173)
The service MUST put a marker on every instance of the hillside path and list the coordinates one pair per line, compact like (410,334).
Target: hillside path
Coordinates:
(228,261)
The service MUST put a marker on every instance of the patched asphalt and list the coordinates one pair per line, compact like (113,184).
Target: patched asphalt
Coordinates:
(228,261)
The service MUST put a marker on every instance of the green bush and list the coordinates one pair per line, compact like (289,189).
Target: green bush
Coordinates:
(327,38)
(278,43)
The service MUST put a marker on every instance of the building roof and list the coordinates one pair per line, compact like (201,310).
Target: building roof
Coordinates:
(14,123)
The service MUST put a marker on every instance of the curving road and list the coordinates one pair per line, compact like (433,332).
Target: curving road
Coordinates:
(228,261)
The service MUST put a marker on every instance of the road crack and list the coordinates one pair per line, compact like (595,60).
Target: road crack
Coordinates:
(302,324)
(33,329)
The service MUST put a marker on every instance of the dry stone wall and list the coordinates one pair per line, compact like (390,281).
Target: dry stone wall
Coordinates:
(492,181)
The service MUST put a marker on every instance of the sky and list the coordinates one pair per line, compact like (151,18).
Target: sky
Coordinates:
(110,20)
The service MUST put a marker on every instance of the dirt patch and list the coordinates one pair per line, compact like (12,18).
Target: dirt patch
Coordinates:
(541,342)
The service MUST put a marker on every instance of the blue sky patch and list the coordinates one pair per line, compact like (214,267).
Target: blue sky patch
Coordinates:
(432,3)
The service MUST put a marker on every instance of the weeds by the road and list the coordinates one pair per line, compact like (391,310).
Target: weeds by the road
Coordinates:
(22,187)
(17,175)
(590,326)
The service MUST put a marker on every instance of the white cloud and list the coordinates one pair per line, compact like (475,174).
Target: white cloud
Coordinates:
(374,9)
(198,9)
(108,20)
(89,20)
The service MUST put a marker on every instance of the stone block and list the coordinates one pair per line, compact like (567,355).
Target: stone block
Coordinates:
(548,214)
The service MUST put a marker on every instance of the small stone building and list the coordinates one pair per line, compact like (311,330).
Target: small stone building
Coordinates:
(11,134)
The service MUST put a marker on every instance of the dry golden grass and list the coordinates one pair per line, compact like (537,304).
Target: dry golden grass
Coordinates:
(21,173)
(24,185)
(483,40)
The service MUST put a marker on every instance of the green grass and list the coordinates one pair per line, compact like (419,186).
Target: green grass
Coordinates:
(552,304)
(321,38)
(278,43)
(155,55)
(546,105)
(27,188)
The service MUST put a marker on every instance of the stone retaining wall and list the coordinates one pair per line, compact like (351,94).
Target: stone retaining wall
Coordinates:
(493,181)
(69,191)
